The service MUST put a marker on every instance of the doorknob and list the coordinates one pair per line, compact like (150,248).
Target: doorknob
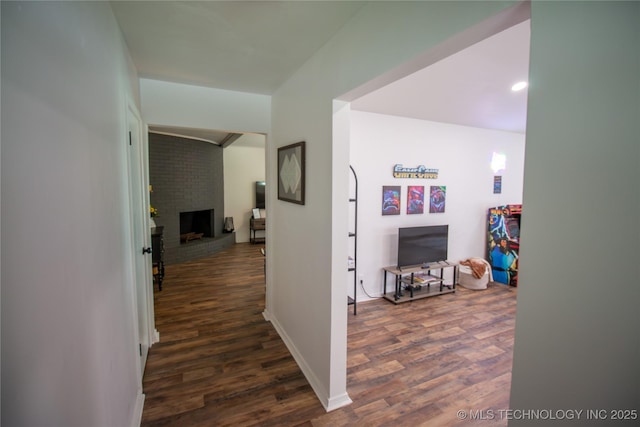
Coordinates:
(146,251)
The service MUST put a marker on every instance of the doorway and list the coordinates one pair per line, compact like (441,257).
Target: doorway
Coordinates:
(141,242)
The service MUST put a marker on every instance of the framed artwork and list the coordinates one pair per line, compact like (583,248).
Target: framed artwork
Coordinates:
(291,172)
(497,184)
(437,197)
(391,200)
(415,199)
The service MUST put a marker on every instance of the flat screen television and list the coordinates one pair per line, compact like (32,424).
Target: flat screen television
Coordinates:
(420,245)
(260,187)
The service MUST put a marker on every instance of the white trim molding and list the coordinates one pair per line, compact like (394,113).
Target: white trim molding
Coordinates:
(329,403)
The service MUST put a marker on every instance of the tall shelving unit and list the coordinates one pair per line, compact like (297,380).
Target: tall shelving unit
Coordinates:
(354,234)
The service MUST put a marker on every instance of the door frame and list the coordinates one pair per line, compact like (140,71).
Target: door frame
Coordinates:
(145,333)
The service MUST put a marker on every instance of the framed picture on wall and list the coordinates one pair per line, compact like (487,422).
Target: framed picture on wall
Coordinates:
(415,199)
(437,198)
(391,200)
(291,173)
(497,184)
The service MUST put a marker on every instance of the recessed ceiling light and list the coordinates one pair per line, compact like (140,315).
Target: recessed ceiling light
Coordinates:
(519,86)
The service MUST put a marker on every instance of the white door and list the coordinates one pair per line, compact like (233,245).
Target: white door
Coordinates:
(138,192)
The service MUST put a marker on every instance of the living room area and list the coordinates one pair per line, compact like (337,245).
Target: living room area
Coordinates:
(201,181)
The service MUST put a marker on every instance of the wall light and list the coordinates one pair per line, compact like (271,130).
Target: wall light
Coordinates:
(498,162)
(519,86)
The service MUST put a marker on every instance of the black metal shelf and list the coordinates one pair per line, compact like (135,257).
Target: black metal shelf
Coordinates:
(354,234)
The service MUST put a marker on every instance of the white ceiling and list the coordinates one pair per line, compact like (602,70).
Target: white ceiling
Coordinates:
(470,88)
(247,46)
(254,46)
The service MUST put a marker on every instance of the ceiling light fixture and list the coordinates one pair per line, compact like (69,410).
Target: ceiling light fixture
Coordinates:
(519,86)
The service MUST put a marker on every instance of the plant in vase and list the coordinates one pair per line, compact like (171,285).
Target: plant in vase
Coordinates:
(153,213)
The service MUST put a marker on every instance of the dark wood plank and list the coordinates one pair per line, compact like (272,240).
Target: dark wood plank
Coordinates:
(219,363)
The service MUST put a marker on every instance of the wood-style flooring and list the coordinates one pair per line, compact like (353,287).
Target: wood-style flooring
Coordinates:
(219,363)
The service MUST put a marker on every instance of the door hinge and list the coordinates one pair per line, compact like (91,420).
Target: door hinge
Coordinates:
(140,349)
(130,143)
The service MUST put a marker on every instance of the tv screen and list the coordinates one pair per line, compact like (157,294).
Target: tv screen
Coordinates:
(260,187)
(419,245)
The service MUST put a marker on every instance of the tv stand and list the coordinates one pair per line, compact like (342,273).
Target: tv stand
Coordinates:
(420,281)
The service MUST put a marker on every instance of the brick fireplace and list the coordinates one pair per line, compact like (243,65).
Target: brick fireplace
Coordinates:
(188,192)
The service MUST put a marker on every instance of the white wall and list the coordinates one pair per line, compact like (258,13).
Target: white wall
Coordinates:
(577,343)
(306,292)
(69,353)
(463,157)
(244,164)
(175,104)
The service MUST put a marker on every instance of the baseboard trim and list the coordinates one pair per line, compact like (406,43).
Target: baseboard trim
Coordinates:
(137,410)
(338,402)
(327,402)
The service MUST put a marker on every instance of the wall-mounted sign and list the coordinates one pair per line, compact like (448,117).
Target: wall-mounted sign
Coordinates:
(420,172)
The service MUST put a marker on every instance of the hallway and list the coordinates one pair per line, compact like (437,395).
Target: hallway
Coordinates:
(219,361)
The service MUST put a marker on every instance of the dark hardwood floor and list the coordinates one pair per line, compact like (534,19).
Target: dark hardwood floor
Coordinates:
(219,363)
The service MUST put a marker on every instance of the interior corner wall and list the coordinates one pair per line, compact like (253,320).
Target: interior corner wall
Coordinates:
(462,156)
(577,344)
(308,284)
(69,350)
(244,164)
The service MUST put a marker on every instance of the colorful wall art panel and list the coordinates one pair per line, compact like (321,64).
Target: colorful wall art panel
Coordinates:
(391,200)
(497,184)
(415,199)
(437,198)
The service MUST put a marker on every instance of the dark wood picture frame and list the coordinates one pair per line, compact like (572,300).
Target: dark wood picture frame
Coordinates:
(291,173)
